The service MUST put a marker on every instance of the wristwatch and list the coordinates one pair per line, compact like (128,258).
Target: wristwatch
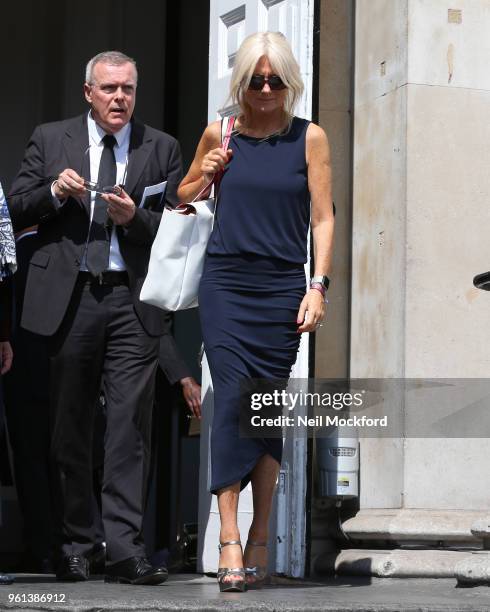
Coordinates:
(323,280)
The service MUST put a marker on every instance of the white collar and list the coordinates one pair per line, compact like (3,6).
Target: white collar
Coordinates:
(96,133)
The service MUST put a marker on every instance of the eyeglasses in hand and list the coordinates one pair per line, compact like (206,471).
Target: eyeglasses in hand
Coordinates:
(95,187)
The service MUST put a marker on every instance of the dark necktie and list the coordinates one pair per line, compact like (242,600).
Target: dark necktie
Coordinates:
(99,235)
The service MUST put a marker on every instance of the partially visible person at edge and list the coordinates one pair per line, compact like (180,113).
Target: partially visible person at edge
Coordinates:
(92,259)
(7,268)
(254,301)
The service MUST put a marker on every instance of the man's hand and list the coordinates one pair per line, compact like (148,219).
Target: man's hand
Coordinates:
(68,183)
(6,356)
(192,395)
(120,208)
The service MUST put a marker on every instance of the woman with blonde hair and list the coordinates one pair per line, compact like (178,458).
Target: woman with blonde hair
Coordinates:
(254,301)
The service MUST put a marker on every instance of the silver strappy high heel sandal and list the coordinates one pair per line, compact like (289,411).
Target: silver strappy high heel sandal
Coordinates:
(257,574)
(233,584)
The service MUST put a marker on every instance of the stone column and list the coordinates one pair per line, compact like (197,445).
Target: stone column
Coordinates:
(421,208)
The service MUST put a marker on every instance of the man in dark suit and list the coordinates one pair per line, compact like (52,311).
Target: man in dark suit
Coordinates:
(82,292)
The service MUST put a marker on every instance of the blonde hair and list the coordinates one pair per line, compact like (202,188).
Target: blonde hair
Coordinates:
(277,49)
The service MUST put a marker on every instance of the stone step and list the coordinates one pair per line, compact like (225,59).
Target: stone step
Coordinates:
(414,525)
(391,563)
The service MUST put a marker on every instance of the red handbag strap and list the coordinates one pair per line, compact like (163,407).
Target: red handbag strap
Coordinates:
(227,124)
(230,122)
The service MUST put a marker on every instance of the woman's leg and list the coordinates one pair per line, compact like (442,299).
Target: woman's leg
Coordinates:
(263,478)
(230,556)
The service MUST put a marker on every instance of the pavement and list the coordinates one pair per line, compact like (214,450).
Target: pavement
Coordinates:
(191,592)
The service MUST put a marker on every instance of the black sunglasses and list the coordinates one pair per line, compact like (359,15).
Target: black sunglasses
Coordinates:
(258,81)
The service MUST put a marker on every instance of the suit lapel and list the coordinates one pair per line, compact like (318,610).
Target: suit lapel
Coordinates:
(140,147)
(75,142)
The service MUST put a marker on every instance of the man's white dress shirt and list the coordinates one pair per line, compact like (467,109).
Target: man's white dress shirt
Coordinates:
(96,146)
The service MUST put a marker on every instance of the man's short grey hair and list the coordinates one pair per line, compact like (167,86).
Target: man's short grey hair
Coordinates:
(113,58)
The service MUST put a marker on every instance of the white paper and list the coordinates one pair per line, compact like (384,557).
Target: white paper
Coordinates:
(152,190)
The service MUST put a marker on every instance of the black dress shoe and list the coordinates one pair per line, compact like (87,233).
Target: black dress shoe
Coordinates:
(6,578)
(135,570)
(73,568)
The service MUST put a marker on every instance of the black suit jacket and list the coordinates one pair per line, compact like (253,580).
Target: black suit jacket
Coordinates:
(153,157)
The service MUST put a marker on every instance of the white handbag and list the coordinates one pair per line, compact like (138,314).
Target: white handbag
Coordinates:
(178,251)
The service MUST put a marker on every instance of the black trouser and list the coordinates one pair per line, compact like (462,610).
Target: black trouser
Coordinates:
(101,336)
(27,409)
(27,405)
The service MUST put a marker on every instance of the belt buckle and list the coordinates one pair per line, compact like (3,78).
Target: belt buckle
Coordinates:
(101,278)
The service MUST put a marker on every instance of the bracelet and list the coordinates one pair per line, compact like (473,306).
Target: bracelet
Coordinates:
(319,287)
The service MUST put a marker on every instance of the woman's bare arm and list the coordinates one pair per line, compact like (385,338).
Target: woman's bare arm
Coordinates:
(322,222)
(206,162)
(320,186)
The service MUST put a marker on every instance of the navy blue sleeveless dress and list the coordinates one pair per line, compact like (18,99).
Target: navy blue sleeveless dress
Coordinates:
(252,286)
